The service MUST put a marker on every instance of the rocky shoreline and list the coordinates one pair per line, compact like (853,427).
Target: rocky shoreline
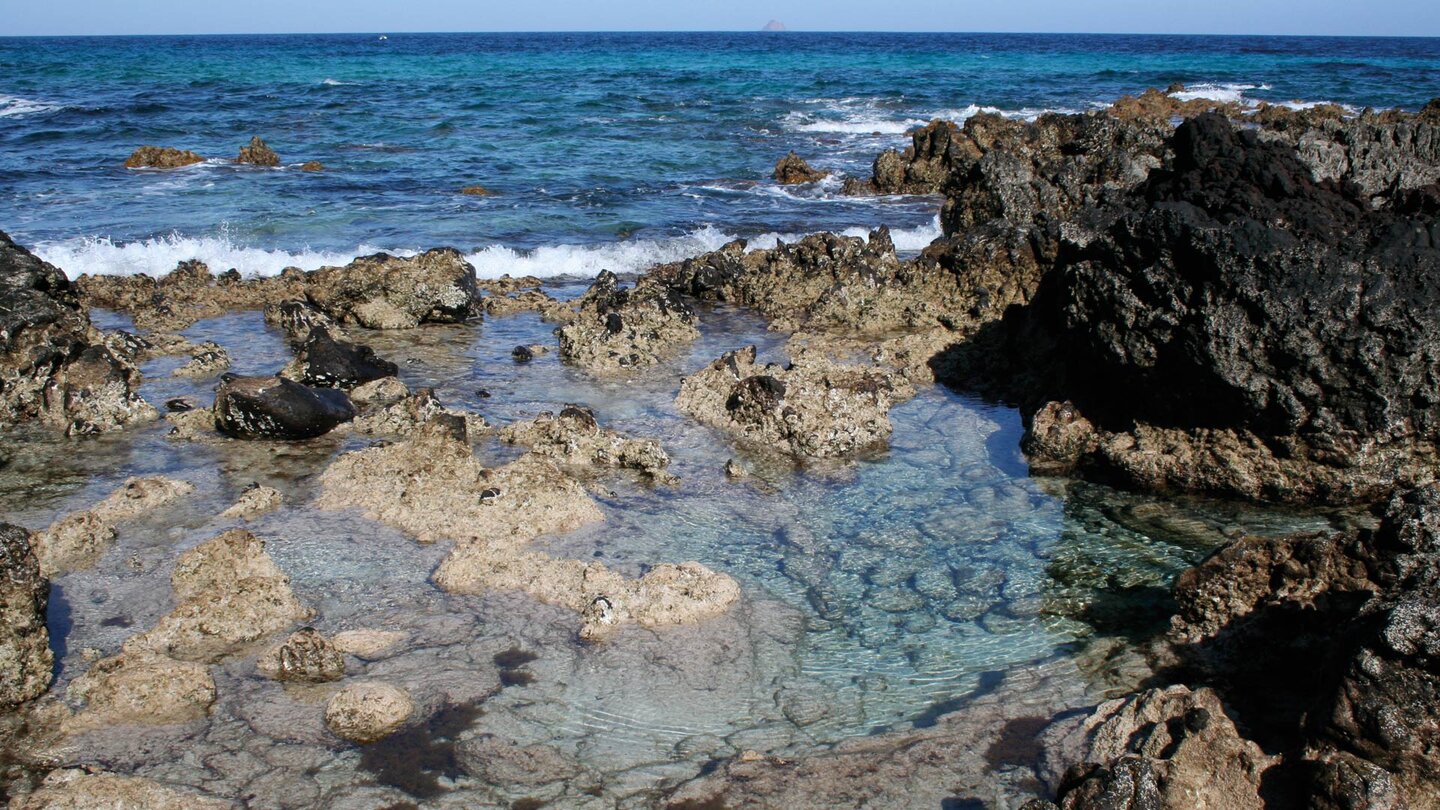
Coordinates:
(1180,297)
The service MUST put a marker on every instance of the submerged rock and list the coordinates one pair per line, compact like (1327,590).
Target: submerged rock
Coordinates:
(325,362)
(161,157)
(79,789)
(619,328)
(369,711)
(388,292)
(256,500)
(228,594)
(574,437)
(76,541)
(305,657)
(139,687)
(256,153)
(207,360)
(793,170)
(26,663)
(813,408)
(277,408)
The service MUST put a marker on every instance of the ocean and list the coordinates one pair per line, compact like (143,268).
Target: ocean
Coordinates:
(606,150)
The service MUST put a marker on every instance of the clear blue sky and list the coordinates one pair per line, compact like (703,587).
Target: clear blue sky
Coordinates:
(1360,17)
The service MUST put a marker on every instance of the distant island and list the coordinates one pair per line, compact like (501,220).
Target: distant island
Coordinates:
(774,25)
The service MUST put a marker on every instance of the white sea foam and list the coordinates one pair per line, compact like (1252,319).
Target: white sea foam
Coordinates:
(156,257)
(14,107)
(336,83)
(1226,92)
(867,121)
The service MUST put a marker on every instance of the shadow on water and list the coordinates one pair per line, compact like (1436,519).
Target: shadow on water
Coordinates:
(416,759)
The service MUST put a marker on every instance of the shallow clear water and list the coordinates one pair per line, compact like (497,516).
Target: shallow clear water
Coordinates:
(878,593)
(606,150)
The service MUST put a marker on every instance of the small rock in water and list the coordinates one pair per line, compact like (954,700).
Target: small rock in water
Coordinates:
(522,354)
(277,408)
(483,394)
(477,191)
(258,154)
(179,405)
(305,657)
(734,469)
(368,712)
(312,166)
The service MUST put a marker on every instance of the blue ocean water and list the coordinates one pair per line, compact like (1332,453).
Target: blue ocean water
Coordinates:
(604,150)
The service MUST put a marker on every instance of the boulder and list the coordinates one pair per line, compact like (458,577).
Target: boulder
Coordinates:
(296,318)
(304,657)
(812,408)
(793,170)
(161,157)
(389,292)
(229,594)
(26,663)
(256,153)
(618,328)
(575,437)
(323,361)
(277,408)
(368,712)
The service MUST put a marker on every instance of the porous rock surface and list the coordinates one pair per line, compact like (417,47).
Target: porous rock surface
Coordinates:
(54,366)
(388,292)
(368,711)
(323,361)
(229,594)
(77,540)
(277,408)
(257,153)
(575,437)
(79,789)
(793,170)
(254,501)
(206,360)
(813,408)
(1242,329)
(26,662)
(922,168)
(161,157)
(305,657)
(625,328)
(140,688)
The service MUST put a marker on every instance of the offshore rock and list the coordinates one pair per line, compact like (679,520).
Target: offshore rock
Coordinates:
(369,711)
(305,657)
(813,408)
(256,153)
(228,594)
(922,168)
(1282,359)
(50,368)
(325,362)
(793,170)
(161,157)
(26,663)
(277,408)
(574,437)
(618,328)
(388,292)
(79,789)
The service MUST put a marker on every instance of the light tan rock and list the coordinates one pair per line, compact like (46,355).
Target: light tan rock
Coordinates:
(618,328)
(390,292)
(574,437)
(228,594)
(75,789)
(206,360)
(366,643)
(409,412)
(140,688)
(368,711)
(76,541)
(256,500)
(27,664)
(384,391)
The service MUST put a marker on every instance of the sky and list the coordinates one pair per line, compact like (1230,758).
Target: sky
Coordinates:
(1315,17)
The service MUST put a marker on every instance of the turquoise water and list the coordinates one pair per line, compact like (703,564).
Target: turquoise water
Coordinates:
(605,150)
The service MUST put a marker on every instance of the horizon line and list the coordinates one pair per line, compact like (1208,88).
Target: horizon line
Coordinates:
(758,31)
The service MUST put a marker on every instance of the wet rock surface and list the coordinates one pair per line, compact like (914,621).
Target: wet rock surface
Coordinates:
(26,663)
(368,712)
(78,539)
(813,408)
(325,362)
(257,153)
(388,292)
(161,157)
(77,789)
(574,437)
(617,328)
(793,170)
(277,408)
(304,657)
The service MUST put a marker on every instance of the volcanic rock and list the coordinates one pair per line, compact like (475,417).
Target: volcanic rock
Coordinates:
(78,789)
(277,408)
(305,657)
(26,663)
(325,362)
(574,437)
(161,157)
(619,328)
(388,292)
(793,170)
(256,153)
(368,711)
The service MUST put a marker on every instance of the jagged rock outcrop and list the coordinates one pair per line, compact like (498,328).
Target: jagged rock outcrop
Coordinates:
(26,663)
(812,408)
(161,157)
(296,319)
(323,361)
(575,437)
(793,170)
(186,294)
(922,168)
(256,153)
(389,292)
(53,365)
(277,408)
(1241,328)
(617,328)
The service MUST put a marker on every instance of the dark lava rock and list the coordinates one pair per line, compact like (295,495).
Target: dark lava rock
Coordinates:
(26,663)
(258,154)
(277,408)
(793,170)
(522,354)
(325,362)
